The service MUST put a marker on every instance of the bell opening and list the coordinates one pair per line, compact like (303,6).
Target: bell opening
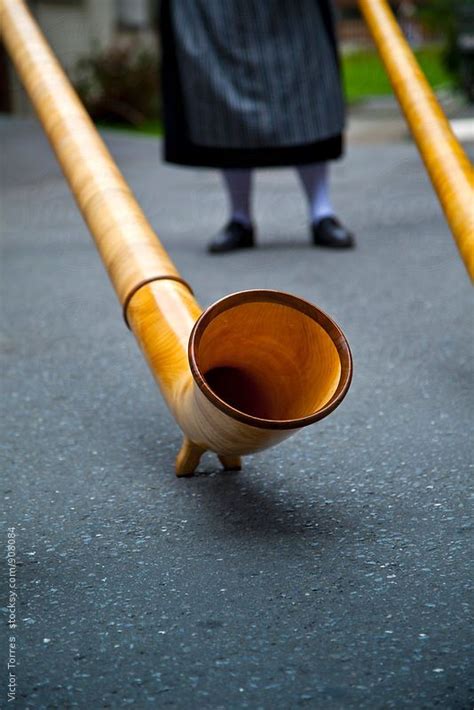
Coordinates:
(273,357)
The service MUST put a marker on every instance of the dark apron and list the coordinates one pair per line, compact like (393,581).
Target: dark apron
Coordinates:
(249,83)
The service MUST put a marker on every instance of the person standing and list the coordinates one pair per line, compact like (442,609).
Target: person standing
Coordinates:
(249,84)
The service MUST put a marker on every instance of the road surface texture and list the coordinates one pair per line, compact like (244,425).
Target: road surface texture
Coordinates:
(333,571)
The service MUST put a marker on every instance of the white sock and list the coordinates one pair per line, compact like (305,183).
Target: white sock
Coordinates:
(316,184)
(238,182)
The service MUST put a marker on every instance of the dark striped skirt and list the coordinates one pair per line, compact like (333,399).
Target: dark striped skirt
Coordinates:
(250,83)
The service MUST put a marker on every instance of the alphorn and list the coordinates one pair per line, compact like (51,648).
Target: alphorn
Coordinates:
(243,375)
(447,164)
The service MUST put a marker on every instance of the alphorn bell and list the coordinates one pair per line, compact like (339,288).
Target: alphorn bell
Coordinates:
(243,375)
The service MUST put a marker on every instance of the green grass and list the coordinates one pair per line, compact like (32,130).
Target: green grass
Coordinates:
(152,127)
(365,76)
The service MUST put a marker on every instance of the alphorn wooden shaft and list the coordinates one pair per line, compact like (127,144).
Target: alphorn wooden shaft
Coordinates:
(245,374)
(127,244)
(447,164)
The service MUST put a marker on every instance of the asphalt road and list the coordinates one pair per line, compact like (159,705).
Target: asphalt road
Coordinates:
(333,571)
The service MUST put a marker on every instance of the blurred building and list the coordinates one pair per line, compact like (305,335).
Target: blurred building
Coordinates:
(75,29)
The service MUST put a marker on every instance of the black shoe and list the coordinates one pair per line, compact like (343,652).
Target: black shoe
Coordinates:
(329,232)
(234,235)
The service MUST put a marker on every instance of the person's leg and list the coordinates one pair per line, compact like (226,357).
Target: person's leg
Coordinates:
(238,183)
(314,178)
(325,227)
(238,232)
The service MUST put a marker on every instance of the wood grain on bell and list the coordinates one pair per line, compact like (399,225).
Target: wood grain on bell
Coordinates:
(274,358)
(263,364)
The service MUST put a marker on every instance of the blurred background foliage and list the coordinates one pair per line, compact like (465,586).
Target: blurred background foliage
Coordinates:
(121,84)
(453,21)
(441,16)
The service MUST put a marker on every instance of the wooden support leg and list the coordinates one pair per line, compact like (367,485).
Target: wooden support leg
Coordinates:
(188,458)
(231,463)
(190,454)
